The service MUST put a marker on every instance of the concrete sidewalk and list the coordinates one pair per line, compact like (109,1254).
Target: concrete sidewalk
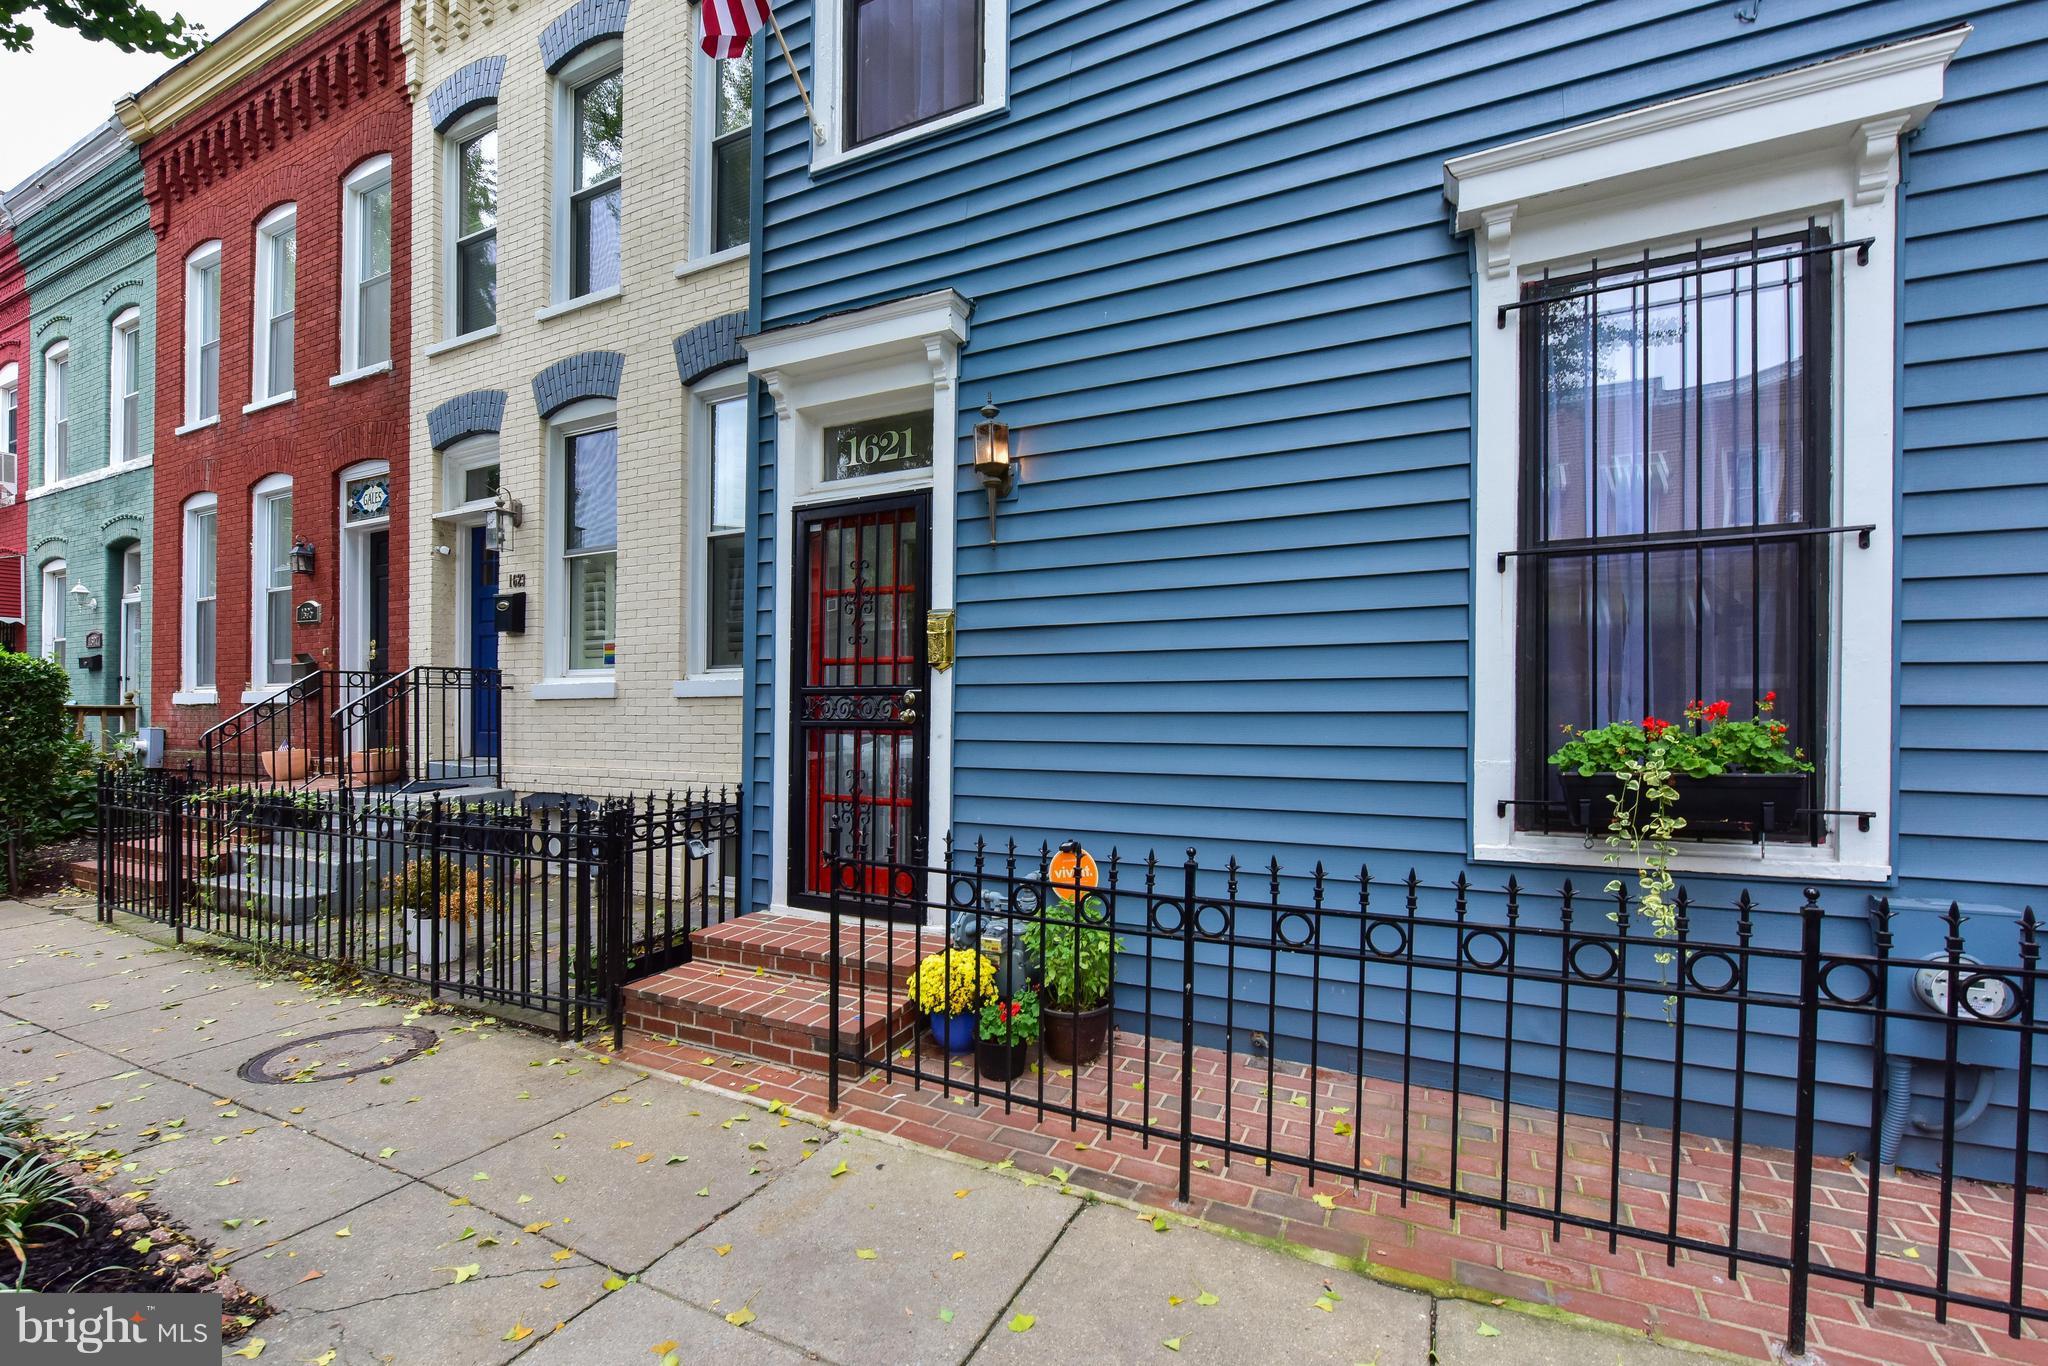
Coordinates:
(498,1197)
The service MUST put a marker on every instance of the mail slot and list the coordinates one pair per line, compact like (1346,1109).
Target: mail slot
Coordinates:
(512,613)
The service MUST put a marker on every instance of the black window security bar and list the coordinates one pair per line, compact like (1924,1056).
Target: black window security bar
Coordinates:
(1675,498)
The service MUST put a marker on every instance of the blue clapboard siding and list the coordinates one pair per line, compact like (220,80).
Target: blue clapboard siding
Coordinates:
(1216,295)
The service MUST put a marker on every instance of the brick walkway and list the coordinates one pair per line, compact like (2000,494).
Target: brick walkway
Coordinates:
(1691,1298)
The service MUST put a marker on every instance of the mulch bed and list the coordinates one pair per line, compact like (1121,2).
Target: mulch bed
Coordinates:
(128,1248)
(42,870)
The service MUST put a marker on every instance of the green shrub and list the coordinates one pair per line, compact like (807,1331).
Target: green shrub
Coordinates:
(46,776)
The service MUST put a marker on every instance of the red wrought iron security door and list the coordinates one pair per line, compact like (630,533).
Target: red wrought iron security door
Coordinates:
(860,713)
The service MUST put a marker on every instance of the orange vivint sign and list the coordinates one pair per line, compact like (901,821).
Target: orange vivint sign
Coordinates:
(1071,870)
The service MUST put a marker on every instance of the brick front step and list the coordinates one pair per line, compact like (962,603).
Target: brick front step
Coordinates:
(799,946)
(770,1016)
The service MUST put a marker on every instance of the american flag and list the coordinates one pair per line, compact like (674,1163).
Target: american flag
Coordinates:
(729,24)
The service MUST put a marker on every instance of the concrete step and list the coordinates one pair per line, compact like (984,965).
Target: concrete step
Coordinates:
(770,1016)
(800,946)
(264,898)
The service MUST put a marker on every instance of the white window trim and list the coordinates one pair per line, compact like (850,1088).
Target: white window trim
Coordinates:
(699,679)
(55,354)
(128,319)
(593,63)
(190,693)
(352,588)
(847,366)
(202,257)
(828,66)
(274,224)
(1822,141)
(703,177)
(471,125)
(558,680)
(46,617)
(10,433)
(261,502)
(366,177)
(471,452)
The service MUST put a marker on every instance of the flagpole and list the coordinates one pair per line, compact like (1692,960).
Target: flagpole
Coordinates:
(817,128)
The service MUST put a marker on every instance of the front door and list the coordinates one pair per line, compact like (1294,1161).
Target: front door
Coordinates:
(483,644)
(860,710)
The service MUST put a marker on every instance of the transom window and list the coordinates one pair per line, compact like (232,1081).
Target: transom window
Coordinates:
(277,286)
(882,445)
(590,468)
(595,191)
(366,267)
(909,62)
(1675,487)
(125,385)
(476,231)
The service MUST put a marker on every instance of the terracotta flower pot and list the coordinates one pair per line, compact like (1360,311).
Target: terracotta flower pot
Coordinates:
(286,765)
(373,767)
(1076,1037)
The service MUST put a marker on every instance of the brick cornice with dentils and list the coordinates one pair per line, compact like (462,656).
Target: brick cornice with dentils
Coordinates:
(353,61)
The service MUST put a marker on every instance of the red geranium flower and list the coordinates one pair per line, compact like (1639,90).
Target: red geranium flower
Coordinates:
(1654,727)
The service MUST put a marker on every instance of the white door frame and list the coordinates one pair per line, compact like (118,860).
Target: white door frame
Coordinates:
(837,369)
(352,582)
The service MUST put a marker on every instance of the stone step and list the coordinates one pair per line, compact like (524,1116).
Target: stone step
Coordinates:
(264,898)
(800,946)
(772,1017)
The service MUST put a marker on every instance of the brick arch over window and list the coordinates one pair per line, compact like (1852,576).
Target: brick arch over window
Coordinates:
(589,374)
(710,346)
(579,26)
(472,87)
(479,410)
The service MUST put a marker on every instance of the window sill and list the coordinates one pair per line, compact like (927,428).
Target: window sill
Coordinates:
(201,425)
(698,264)
(1797,862)
(443,347)
(708,685)
(602,296)
(250,696)
(825,158)
(351,376)
(566,689)
(197,697)
(260,404)
(72,481)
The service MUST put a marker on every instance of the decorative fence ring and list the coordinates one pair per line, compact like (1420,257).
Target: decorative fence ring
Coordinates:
(1827,986)
(2013,995)
(1306,936)
(1154,918)
(1609,970)
(962,892)
(1471,937)
(1727,962)
(1224,927)
(1398,931)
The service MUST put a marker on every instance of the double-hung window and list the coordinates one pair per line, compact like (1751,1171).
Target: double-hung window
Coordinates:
(124,386)
(892,70)
(201,586)
(366,268)
(271,600)
(1674,487)
(720,439)
(202,334)
(726,118)
(277,287)
(474,229)
(589,550)
(55,584)
(595,147)
(10,427)
(56,411)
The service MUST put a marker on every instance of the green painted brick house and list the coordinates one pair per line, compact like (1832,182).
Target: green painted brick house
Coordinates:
(82,230)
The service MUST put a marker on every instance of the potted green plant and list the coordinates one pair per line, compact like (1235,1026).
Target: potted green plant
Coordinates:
(1007,1030)
(1074,952)
(949,987)
(426,890)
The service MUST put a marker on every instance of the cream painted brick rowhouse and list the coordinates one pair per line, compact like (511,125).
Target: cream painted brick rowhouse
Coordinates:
(644,736)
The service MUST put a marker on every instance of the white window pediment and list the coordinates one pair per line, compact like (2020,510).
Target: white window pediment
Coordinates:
(1816,145)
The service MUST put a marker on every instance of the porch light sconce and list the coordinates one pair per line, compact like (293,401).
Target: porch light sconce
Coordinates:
(992,459)
(82,598)
(506,514)
(302,556)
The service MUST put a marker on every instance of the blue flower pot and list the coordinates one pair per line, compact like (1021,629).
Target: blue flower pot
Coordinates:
(954,1033)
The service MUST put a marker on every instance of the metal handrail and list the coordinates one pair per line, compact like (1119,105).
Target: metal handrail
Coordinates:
(221,734)
(395,696)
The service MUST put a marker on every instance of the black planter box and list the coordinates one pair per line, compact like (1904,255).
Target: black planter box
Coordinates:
(1734,804)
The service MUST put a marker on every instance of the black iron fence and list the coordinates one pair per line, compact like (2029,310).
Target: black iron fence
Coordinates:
(538,910)
(1549,1055)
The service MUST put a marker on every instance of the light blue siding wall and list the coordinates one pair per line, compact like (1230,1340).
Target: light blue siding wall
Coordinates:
(1216,295)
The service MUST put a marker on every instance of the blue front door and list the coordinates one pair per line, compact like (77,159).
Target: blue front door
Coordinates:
(483,643)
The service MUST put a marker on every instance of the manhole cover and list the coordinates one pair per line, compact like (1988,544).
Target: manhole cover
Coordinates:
(338,1056)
